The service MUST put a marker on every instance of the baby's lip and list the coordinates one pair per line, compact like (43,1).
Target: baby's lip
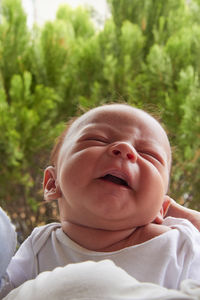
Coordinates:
(120,174)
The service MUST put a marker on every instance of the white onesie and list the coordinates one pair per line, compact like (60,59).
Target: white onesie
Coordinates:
(166,260)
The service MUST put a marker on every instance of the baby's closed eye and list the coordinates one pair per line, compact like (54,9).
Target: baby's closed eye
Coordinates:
(151,155)
(97,139)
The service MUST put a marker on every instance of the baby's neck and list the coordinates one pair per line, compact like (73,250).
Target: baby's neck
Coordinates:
(107,240)
(97,239)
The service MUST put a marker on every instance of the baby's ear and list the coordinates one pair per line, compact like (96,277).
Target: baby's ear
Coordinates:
(165,206)
(50,186)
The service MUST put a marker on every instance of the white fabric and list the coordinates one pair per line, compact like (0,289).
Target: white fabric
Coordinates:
(7,242)
(102,280)
(167,259)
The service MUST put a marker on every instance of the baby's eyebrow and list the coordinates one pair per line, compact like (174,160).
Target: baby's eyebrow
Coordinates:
(152,144)
(146,142)
(97,126)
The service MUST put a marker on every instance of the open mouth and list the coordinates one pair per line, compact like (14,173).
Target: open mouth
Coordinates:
(115,179)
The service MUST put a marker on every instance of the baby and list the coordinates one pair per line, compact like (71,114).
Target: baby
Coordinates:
(110,173)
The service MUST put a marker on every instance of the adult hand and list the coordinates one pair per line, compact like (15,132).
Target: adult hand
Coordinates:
(179,211)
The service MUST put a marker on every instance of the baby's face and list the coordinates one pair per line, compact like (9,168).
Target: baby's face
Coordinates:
(113,169)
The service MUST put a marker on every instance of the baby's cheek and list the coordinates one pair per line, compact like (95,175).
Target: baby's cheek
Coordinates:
(167,181)
(74,173)
(154,182)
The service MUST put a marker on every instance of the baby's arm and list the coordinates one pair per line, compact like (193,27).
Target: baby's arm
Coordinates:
(179,211)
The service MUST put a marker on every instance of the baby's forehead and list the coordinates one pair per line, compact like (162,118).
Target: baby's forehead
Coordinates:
(103,114)
(115,115)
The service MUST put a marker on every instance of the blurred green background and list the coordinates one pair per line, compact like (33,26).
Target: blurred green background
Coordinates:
(147,54)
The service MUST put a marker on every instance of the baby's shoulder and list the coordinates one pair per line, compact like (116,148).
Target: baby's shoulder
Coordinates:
(151,231)
(40,235)
(156,229)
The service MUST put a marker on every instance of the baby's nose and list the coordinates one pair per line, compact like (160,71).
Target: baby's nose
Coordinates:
(123,150)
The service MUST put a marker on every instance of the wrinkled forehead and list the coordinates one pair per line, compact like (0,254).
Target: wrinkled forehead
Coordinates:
(107,114)
(118,115)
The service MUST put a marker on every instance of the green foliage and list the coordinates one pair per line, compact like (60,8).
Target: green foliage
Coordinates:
(147,54)
(14,38)
(78,19)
